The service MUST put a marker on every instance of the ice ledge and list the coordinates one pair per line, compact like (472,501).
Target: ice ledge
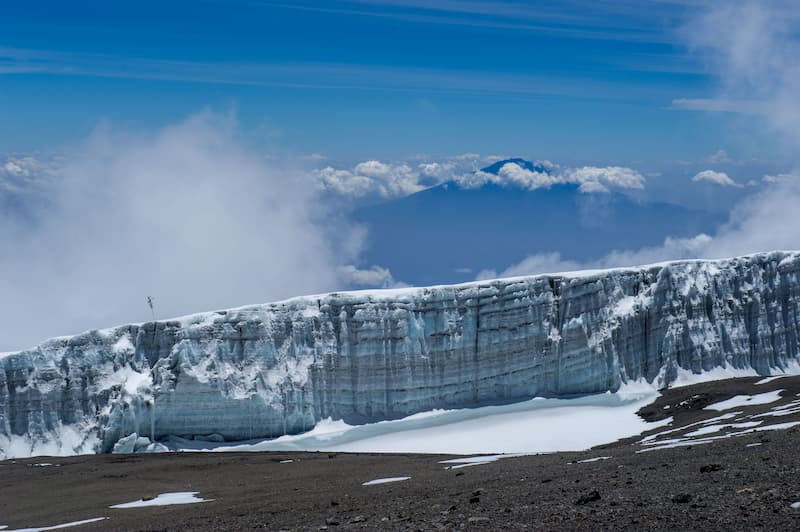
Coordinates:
(280,368)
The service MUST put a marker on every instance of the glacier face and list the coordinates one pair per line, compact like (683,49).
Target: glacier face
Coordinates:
(274,369)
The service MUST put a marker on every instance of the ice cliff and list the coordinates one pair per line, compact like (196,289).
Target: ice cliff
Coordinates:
(267,370)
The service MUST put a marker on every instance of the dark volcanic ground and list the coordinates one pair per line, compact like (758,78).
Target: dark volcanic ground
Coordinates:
(746,480)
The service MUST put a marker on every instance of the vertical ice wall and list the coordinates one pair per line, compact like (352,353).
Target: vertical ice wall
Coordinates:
(278,368)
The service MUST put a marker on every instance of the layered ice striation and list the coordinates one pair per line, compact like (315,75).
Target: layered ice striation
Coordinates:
(268,370)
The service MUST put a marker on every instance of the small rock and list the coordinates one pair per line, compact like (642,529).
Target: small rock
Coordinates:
(460,473)
(332,521)
(358,519)
(334,503)
(682,498)
(474,500)
(710,467)
(586,498)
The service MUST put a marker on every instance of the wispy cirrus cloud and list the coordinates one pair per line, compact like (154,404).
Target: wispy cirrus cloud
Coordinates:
(305,75)
(721,105)
(581,19)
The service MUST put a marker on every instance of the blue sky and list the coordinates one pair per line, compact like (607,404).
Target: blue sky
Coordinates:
(572,81)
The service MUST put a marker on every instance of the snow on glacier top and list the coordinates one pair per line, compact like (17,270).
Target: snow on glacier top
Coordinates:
(383,294)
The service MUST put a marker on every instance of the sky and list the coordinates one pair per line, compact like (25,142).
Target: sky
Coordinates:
(573,81)
(213,154)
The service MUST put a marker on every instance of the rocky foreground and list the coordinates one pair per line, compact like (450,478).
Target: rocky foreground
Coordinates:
(729,469)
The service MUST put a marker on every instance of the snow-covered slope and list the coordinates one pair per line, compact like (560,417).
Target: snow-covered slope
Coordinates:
(279,368)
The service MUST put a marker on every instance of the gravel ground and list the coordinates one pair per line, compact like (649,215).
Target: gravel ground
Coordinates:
(746,479)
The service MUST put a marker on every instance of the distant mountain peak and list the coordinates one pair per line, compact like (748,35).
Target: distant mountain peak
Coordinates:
(538,166)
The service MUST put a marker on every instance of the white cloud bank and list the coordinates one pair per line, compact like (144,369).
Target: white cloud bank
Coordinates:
(186,215)
(371,178)
(716,178)
(392,180)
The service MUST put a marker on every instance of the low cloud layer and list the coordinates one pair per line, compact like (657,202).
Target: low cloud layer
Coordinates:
(186,215)
(392,180)
(762,222)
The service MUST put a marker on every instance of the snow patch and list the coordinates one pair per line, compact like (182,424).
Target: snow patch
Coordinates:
(477,460)
(770,379)
(710,429)
(165,499)
(123,345)
(384,480)
(746,400)
(54,527)
(596,459)
(128,379)
(533,426)
(683,442)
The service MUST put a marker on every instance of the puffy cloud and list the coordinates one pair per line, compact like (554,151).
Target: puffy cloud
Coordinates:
(442,171)
(390,180)
(717,178)
(374,276)
(592,187)
(533,264)
(371,178)
(514,174)
(592,179)
(615,176)
(22,173)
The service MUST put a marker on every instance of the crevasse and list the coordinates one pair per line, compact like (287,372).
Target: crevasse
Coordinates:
(268,370)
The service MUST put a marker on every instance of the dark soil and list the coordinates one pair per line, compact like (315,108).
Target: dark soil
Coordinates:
(722,485)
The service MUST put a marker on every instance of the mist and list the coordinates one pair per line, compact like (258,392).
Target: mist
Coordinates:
(188,214)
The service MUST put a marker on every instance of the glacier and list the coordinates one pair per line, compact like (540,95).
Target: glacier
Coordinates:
(264,371)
